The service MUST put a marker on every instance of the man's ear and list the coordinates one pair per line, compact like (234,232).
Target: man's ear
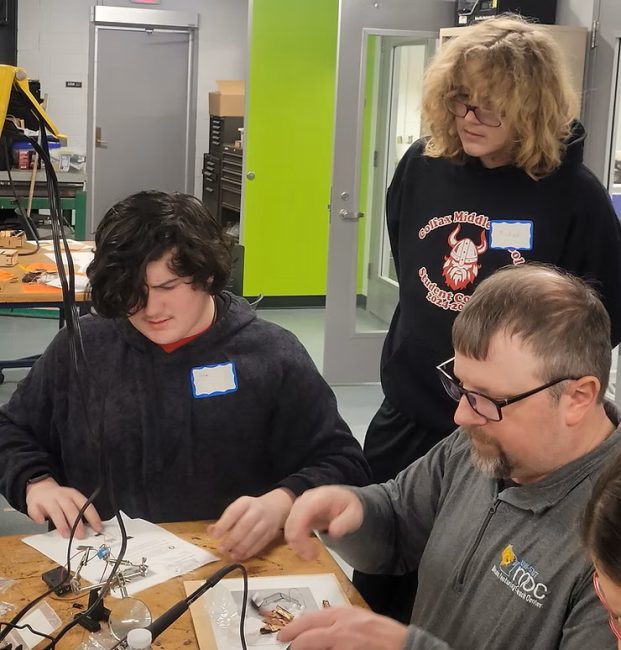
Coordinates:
(579,396)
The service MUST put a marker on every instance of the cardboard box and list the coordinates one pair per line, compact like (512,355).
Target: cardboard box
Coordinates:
(8,257)
(12,238)
(229,99)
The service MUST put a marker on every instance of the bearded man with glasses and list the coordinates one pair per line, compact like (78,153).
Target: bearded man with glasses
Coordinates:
(489,517)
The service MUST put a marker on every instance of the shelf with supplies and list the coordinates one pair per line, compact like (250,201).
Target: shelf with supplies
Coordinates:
(211,184)
(231,178)
(223,130)
(222,183)
(222,172)
(222,187)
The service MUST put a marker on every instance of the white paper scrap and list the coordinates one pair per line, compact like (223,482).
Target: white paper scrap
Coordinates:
(167,555)
(81,259)
(41,619)
(81,282)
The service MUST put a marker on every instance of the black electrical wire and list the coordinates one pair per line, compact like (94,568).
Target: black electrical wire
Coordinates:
(22,612)
(83,377)
(79,362)
(164,621)
(75,339)
(104,590)
(26,626)
(169,617)
(13,622)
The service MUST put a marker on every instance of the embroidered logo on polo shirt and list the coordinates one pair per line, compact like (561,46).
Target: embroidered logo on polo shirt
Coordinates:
(521,577)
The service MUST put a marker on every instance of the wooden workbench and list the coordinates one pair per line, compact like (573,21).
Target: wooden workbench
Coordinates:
(14,292)
(27,297)
(25,565)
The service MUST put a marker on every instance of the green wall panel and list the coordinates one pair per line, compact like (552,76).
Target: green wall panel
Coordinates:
(289,139)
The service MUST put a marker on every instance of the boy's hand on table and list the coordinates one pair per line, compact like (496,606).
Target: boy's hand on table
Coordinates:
(47,500)
(249,524)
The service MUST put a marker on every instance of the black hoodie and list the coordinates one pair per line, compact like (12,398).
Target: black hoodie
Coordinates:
(175,452)
(453,225)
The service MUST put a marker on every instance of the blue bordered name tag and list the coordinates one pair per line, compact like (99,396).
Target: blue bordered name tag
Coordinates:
(513,235)
(210,381)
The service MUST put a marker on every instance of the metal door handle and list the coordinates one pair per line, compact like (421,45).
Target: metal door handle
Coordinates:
(346,215)
(98,141)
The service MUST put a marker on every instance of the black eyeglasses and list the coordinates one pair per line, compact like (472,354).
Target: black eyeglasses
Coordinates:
(483,405)
(486,116)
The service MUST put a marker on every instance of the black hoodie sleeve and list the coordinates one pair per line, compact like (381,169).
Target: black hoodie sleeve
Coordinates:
(27,423)
(593,247)
(394,196)
(310,443)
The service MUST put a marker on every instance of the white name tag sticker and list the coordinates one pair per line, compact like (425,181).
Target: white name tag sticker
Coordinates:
(515,235)
(210,381)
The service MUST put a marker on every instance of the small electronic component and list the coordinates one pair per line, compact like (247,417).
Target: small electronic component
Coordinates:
(273,615)
(281,612)
(275,620)
(129,572)
(56,579)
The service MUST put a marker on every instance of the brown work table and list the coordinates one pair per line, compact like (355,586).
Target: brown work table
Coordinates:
(25,565)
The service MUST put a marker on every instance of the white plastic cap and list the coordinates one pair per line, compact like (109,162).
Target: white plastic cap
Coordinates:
(139,639)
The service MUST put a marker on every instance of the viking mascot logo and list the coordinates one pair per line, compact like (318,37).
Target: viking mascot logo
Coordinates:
(461,266)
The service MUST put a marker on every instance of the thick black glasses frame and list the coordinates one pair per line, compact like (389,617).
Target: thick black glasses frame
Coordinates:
(451,107)
(498,403)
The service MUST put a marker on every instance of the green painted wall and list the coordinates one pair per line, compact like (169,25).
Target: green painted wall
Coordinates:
(289,138)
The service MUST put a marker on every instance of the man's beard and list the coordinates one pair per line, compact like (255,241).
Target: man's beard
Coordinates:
(493,463)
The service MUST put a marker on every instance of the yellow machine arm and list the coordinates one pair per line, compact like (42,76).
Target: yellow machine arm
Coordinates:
(16,78)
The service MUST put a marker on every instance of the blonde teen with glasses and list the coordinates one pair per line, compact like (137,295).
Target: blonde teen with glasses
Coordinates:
(498,180)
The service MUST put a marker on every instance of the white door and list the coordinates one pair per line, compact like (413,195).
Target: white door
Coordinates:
(602,111)
(396,124)
(142,112)
(600,98)
(382,50)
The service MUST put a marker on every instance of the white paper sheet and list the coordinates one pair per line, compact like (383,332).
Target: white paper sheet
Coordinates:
(74,245)
(81,283)
(81,259)
(167,555)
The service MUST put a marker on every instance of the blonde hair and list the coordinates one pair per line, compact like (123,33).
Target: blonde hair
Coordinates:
(529,87)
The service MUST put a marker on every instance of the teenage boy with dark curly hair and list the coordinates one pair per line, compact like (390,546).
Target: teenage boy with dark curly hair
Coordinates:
(206,410)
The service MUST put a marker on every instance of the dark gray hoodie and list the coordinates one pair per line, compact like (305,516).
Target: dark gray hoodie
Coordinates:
(177,449)
(499,568)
